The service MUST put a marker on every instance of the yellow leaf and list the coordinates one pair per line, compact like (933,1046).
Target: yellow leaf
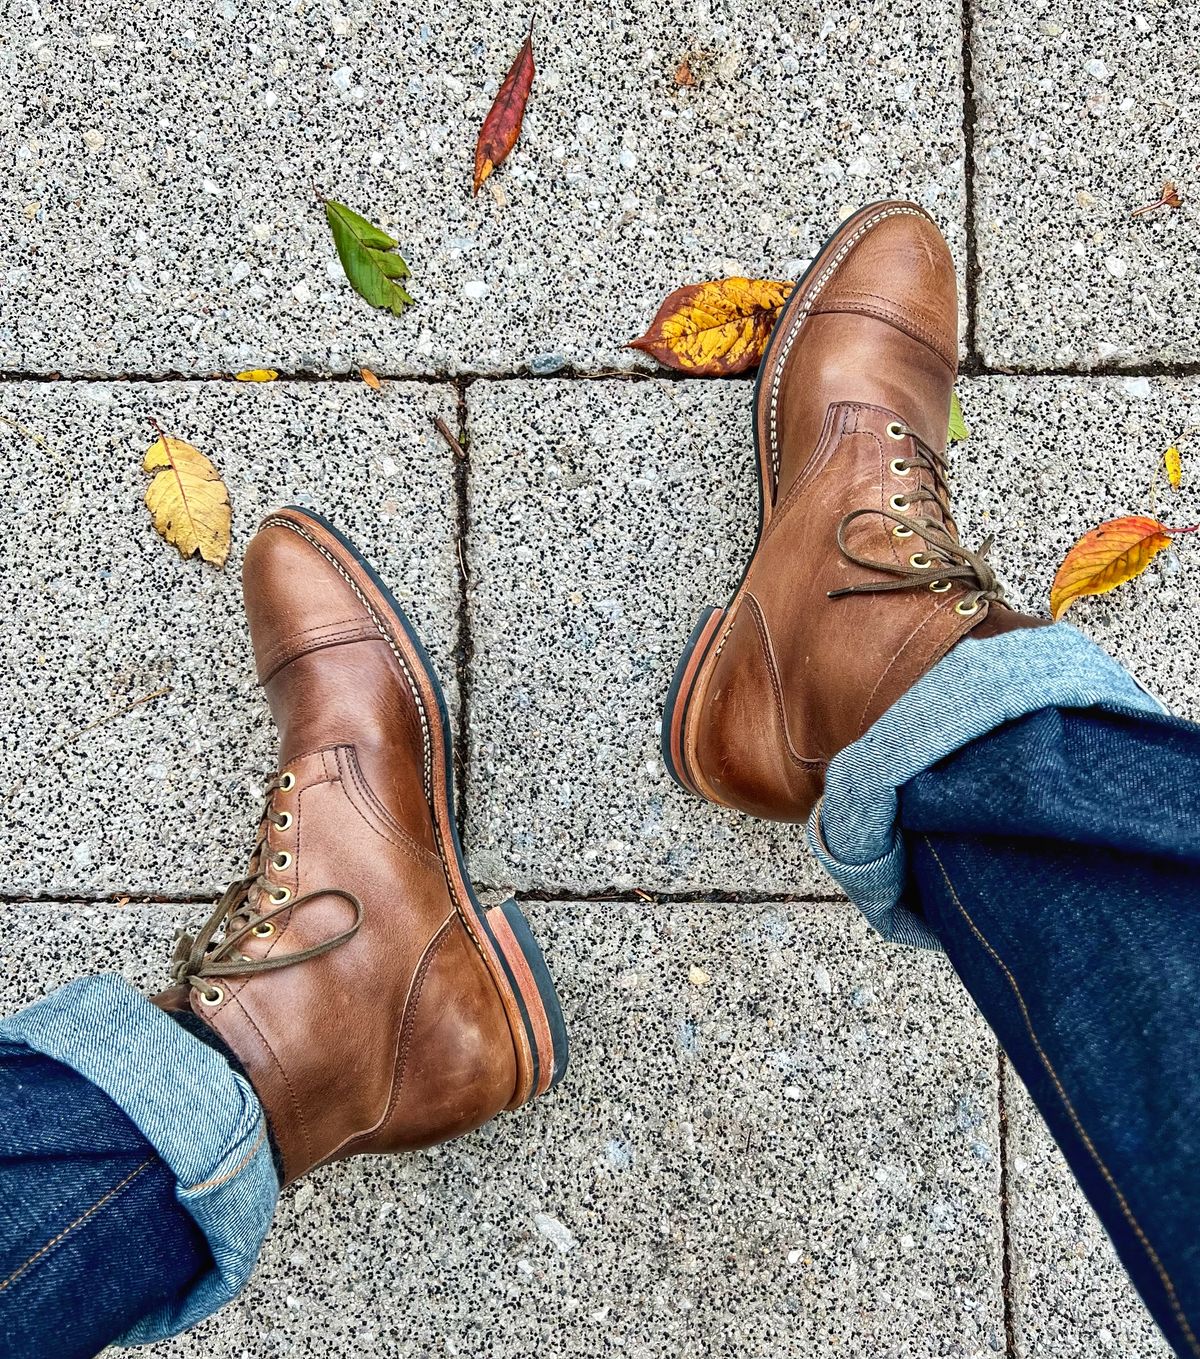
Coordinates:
(1106,557)
(714,329)
(258,375)
(1173,461)
(370,379)
(188,499)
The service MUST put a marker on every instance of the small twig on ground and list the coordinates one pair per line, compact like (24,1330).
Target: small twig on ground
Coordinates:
(448,434)
(109,717)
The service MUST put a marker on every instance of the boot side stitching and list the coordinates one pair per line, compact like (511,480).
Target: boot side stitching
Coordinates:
(56,1241)
(1151,1253)
(803,313)
(366,603)
(827,443)
(768,650)
(404,1034)
(391,830)
(900,652)
(299,1112)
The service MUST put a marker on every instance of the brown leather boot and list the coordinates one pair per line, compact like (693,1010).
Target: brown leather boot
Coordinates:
(374,1003)
(858,583)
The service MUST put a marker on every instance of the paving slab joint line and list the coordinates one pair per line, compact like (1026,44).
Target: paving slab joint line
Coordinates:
(970,366)
(698,896)
(1006,1292)
(971,270)
(464,645)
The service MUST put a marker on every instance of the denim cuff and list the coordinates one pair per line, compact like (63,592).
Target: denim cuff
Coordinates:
(202,1118)
(976,687)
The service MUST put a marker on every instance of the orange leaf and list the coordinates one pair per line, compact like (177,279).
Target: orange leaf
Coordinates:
(714,329)
(1106,557)
(502,126)
(370,379)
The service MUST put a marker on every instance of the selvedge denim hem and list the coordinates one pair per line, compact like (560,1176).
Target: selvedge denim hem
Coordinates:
(203,1120)
(979,686)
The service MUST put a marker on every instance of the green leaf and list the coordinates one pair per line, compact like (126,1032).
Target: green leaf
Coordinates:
(958,426)
(363,250)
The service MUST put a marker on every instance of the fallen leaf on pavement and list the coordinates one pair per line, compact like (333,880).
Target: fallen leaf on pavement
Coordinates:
(1169,198)
(683,73)
(257,375)
(187,499)
(1108,556)
(715,329)
(367,258)
(958,426)
(1173,462)
(370,379)
(502,126)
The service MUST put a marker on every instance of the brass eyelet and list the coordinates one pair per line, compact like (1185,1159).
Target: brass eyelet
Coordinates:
(281,894)
(213,996)
(939,587)
(282,860)
(287,781)
(898,503)
(901,532)
(920,561)
(264,929)
(966,609)
(895,430)
(285,821)
(899,468)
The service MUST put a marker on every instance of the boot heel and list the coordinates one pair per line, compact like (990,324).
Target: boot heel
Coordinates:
(534,989)
(680,693)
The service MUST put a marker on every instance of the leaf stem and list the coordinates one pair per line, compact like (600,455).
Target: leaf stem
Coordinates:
(1187,528)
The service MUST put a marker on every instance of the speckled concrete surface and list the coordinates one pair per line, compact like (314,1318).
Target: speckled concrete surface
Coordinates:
(101,612)
(799,1157)
(1070,1297)
(1049,458)
(596,539)
(162,157)
(1083,110)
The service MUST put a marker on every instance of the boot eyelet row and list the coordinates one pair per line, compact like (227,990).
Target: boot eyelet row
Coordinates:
(895,430)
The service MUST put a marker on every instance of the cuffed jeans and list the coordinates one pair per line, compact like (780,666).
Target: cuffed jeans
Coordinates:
(1025,806)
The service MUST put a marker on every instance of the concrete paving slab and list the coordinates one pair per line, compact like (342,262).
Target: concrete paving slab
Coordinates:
(799,1156)
(1083,111)
(1050,458)
(162,214)
(603,517)
(1071,1299)
(100,612)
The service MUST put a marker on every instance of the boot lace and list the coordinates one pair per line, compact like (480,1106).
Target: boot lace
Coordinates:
(947,562)
(202,956)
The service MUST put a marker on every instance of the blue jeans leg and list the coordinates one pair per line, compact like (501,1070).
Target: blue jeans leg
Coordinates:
(92,1236)
(1058,859)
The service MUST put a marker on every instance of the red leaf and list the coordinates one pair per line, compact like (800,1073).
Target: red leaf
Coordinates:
(502,126)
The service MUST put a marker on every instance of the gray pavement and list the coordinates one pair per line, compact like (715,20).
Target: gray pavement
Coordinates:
(802,1156)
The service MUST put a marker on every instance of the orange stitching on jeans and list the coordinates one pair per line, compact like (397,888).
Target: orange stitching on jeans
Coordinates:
(82,1218)
(1151,1253)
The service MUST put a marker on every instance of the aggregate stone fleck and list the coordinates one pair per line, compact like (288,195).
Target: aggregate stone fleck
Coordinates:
(799,1158)
(100,612)
(163,157)
(1083,111)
